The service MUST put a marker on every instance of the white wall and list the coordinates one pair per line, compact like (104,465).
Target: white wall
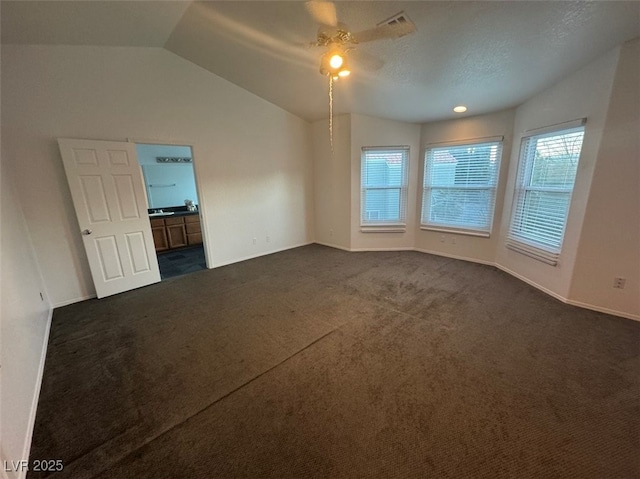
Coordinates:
(610,239)
(24,325)
(252,159)
(332,182)
(585,93)
(371,131)
(457,245)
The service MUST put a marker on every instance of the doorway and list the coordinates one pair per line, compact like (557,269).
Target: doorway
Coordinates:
(174,207)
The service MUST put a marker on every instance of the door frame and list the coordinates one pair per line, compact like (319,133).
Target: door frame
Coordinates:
(208,257)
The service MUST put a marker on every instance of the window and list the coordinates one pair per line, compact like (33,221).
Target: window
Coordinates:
(460,187)
(384,186)
(546,174)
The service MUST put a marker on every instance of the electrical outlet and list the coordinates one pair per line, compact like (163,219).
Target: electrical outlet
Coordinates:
(453,240)
(331,233)
(442,238)
(255,240)
(268,239)
(619,283)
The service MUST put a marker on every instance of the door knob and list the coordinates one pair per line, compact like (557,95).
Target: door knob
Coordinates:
(87,232)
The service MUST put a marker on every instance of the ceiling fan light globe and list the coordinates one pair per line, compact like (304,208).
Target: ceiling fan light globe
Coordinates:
(336,60)
(325,68)
(344,73)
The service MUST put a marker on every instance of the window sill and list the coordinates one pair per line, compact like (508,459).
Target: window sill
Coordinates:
(383,229)
(548,257)
(480,234)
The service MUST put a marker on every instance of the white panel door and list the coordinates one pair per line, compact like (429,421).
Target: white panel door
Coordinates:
(108,194)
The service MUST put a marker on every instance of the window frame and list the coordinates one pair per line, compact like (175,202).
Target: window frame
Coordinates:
(427,189)
(516,240)
(376,225)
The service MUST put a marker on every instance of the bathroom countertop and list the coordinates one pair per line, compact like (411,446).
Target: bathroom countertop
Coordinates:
(170,214)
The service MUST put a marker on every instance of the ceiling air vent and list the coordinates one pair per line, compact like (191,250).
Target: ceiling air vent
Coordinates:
(399,18)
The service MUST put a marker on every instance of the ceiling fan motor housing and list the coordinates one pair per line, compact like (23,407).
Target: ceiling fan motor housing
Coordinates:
(339,34)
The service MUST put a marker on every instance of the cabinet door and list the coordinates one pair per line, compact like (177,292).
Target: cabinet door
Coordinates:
(160,238)
(194,232)
(177,236)
(194,238)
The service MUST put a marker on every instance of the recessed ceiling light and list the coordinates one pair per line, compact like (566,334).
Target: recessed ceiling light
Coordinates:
(460,109)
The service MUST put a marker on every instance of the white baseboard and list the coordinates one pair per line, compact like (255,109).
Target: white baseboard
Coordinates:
(580,304)
(361,250)
(455,256)
(75,300)
(572,302)
(26,449)
(600,309)
(331,245)
(36,396)
(553,294)
(265,253)
(531,283)
(92,296)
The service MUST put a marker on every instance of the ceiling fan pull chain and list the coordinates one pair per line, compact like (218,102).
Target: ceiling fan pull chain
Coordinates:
(331,112)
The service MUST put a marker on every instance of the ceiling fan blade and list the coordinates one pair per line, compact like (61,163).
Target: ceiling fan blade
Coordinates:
(383,32)
(323,12)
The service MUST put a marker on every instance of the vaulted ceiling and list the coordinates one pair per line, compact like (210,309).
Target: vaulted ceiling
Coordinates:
(485,55)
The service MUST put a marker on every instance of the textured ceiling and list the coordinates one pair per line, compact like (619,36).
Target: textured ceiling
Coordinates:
(486,55)
(112,23)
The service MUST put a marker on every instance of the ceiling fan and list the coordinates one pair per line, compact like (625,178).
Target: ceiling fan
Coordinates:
(338,40)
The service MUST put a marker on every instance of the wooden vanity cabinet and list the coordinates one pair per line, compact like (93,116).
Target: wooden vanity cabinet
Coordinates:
(176,232)
(159,233)
(193,229)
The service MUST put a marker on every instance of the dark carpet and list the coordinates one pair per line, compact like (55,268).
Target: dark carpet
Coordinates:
(181,261)
(316,362)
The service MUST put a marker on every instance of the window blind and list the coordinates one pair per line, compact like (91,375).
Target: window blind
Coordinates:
(384,186)
(459,186)
(544,185)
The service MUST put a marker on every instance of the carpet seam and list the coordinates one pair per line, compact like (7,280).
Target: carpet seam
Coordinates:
(215,402)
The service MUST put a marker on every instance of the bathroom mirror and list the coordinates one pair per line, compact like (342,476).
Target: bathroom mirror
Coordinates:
(170,181)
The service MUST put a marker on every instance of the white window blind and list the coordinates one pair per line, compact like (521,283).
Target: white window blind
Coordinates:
(459,188)
(384,186)
(544,184)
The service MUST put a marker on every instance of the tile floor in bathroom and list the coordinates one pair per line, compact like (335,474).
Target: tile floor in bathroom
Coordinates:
(182,261)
